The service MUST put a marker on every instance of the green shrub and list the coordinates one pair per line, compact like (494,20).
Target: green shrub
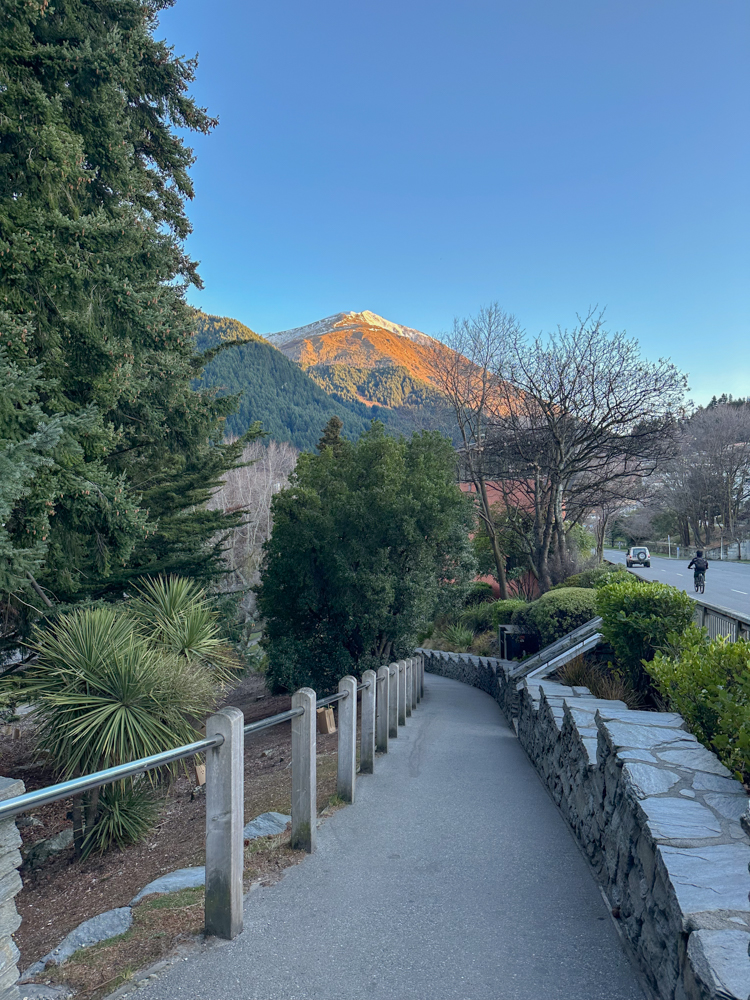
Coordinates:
(638,619)
(454,639)
(556,613)
(708,683)
(484,644)
(503,611)
(478,593)
(126,812)
(592,579)
(478,618)
(113,685)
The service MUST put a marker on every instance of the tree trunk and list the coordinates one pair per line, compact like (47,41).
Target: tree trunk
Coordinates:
(78,832)
(492,535)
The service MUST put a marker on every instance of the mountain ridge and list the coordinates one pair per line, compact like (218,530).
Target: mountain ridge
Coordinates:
(360,340)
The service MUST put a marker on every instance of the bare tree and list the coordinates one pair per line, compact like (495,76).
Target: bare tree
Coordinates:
(466,372)
(250,488)
(707,485)
(581,417)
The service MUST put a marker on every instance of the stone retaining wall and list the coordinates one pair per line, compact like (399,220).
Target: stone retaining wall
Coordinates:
(10,886)
(660,818)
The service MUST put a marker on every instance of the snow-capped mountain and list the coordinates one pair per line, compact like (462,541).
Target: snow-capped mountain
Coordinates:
(357,339)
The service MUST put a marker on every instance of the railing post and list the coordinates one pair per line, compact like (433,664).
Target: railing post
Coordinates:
(225,807)
(402,692)
(367,724)
(414,668)
(304,805)
(421,675)
(393,686)
(347,757)
(407,671)
(382,707)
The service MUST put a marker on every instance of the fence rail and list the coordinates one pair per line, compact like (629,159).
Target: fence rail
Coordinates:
(391,694)
(722,621)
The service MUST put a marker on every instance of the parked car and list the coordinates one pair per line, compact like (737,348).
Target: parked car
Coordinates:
(638,556)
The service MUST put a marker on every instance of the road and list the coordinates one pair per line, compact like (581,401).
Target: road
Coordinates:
(452,877)
(727,583)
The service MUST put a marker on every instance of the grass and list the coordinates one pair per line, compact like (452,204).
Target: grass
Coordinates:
(159,923)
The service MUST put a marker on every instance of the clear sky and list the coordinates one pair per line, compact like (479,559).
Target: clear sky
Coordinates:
(421,158)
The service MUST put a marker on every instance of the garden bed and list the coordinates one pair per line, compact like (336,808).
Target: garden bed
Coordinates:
(61,893)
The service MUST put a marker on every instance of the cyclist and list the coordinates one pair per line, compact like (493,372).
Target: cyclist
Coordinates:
(699,565)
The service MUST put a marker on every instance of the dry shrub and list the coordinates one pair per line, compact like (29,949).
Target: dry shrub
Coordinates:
(602,681)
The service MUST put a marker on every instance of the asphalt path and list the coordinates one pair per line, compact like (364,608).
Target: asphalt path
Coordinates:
(452,877)
(727,583)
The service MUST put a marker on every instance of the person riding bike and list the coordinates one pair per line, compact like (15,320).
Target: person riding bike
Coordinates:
(699,565)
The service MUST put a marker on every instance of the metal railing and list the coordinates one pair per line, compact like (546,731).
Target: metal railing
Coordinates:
(391,694)
(721,621)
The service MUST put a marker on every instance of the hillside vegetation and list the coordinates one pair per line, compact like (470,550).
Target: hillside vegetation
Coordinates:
(294,405)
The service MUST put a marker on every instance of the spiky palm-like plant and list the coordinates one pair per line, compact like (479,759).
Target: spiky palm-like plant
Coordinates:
(106,695)
(176,616)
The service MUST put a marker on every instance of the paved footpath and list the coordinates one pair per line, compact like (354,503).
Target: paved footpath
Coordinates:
(453,877)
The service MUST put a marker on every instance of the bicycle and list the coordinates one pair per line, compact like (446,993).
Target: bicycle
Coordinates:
(700,582)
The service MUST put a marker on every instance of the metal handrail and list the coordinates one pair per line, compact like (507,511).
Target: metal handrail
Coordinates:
(273,720)
(322,702)
(87,782)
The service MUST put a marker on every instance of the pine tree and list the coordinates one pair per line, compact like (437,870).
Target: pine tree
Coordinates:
(93,276)
(332,436)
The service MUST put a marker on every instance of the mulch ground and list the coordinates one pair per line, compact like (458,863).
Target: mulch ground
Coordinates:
(62,892)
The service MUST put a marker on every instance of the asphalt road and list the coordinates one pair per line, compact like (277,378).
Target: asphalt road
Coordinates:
(727,583)
(452,877)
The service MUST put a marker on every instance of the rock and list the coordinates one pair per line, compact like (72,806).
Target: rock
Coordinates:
(44,849)
(678,819)
(24,821)
(643,755)
(711,884)
(100,928)
(622,713)
(633,736)
(183,878)
(728,806)
(266,825)
(720,962)
(646,780)
(40,991)
(715,783)
(695,758)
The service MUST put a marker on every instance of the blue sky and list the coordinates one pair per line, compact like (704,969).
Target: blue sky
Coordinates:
(421,159)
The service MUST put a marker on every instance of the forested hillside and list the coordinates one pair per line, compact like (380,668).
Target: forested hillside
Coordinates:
(294,405)
(273,389)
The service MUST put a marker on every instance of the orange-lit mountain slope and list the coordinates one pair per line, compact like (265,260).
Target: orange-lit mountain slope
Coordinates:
(363,340)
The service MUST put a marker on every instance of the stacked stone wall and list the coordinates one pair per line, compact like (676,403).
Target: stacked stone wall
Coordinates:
(661,820)
(10,886)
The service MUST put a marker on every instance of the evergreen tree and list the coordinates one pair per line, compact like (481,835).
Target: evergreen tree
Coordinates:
(93,275)
(332,436)
(366,541)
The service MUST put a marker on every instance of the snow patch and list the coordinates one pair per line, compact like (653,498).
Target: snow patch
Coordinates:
(348,321)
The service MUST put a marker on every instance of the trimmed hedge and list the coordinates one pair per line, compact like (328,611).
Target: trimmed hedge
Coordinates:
(556,613)
(503,611)
(479,593)
(592,579)
(639,618)
(708,683)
